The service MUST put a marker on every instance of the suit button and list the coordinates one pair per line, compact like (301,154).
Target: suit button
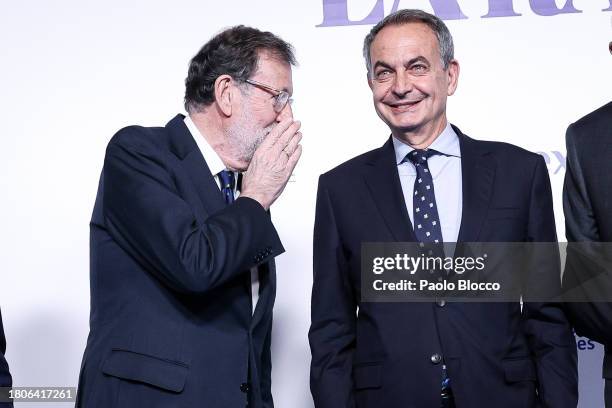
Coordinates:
(441,303)
(436,358)
(244,387)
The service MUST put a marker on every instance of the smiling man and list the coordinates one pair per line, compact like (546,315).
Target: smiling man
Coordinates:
(182,244)
(431,183)
(410,82)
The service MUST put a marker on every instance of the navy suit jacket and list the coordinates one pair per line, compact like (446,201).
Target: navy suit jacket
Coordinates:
(587,204)
(171,322)
(5,375)
(379,355)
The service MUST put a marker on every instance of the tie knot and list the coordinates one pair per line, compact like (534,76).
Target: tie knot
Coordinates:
(227,179)
(420,156)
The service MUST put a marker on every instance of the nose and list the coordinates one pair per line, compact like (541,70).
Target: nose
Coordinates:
(287,112)
(402,85)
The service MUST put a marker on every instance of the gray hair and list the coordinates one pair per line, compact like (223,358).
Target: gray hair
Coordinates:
(235,52)
(400,17)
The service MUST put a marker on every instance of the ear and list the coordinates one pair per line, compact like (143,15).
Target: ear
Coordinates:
(225,94)
(369,80)
(452,73)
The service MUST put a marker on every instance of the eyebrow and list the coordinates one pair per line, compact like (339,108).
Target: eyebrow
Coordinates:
(383,64)
(420,58)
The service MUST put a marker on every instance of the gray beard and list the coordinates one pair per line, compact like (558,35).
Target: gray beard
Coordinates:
(245,141)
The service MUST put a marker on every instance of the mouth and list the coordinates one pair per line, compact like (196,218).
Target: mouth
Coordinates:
(404,106)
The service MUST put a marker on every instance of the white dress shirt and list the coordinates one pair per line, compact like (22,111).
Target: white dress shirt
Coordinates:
(215,164)
(446,173)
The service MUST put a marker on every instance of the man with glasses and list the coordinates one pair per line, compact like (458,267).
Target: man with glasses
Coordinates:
(182,244)
(430,183)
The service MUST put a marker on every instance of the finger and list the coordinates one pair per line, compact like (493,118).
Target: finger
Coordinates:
(293,159)
(293,143)
(276,132)
(284,156)
(287,135)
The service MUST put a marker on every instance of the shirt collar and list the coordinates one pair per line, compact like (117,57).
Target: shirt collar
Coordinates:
(214,162)
(446,143)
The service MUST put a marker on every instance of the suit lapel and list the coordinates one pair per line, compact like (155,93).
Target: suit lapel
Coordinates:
(211,197)
(204,182)
(193,162)
(477,174)
(383,182)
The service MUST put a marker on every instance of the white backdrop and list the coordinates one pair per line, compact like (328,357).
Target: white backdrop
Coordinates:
(73,72)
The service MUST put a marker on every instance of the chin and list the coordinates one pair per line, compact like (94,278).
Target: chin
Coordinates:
(405,120)
(403,127)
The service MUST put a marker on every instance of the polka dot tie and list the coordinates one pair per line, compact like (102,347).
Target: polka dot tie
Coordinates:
(425,212)
(427,229)
(227,185)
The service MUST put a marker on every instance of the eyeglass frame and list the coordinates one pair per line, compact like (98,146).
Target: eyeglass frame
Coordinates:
(281,98)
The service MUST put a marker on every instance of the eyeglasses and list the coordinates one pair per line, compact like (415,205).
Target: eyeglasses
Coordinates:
(281,98)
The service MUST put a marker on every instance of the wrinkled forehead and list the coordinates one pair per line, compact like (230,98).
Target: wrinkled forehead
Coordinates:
(405,41)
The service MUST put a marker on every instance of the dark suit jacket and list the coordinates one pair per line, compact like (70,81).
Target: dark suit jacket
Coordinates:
(587,204)
(171,322)
(379,355)
(5,375)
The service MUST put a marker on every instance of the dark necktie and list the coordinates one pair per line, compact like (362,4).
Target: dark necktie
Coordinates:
(227,185)
(427,228)
(425,211)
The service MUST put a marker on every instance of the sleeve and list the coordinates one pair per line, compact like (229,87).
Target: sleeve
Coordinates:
(144,212)
(548,331)
(580,223)
(583,278)
(266,373)
(333,314)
